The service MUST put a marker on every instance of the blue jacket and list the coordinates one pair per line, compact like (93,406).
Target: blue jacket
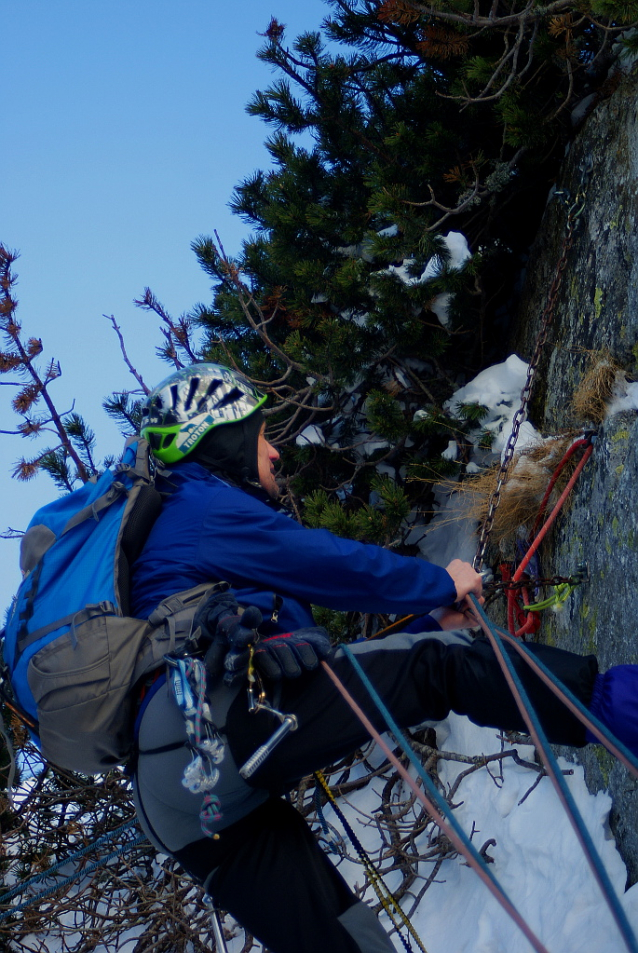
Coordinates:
(209,530)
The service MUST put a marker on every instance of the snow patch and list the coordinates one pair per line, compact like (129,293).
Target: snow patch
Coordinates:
(625,397)
(458,253)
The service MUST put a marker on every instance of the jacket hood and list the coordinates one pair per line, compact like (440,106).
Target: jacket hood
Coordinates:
(230,450)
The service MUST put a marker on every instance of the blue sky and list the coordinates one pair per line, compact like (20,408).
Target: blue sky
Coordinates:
(125,133)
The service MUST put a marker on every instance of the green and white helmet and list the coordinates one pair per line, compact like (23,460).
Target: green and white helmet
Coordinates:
(189,403)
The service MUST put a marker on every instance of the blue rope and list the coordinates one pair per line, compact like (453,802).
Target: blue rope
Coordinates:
(329,836)
(69,880)
(553,769)
(45,874)
(368,865)
(435,796)
(609,739)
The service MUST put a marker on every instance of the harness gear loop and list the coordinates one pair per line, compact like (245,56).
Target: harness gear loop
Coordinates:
(187,678)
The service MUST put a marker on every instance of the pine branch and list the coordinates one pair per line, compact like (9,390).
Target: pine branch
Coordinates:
(249,305)
(177,333)
(24,355)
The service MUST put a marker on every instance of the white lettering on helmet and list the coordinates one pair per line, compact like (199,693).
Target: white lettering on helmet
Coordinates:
(187,437)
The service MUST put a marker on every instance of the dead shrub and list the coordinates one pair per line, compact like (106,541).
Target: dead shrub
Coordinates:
(521,495)
(595,390)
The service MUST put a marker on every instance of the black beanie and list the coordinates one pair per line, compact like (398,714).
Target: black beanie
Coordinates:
(231,449)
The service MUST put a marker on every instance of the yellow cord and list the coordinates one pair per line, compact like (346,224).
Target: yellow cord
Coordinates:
(387,899)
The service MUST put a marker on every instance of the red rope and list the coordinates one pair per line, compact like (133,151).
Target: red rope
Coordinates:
(569,453)
(559,693)
(531,623)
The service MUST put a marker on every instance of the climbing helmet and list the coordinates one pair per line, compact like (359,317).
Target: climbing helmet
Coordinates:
(189,403)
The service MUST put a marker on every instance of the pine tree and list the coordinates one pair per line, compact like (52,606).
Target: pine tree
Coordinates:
(394,125)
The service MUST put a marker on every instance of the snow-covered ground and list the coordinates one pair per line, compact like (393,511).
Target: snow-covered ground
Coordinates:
(536,859)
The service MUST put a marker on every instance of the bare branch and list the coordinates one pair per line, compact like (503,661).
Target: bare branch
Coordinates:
(136,374)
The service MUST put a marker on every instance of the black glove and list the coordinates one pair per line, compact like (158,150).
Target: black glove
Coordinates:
(230,631)
(286,656)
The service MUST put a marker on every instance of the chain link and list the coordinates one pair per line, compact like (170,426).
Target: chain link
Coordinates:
(574,211)
(531,582)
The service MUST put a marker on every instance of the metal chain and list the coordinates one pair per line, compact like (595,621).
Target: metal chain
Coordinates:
(533,582)
(573,213)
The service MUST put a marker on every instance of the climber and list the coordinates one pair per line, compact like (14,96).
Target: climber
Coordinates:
(221,521)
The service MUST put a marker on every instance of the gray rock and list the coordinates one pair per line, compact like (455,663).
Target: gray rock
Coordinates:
(596,308)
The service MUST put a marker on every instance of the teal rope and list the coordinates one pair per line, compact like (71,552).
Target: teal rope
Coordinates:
(433,793)
(45,874)
(556,774)
(607,737)
(69,880)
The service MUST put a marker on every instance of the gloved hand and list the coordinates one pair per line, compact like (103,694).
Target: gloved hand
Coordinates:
(287,655)
(230,631)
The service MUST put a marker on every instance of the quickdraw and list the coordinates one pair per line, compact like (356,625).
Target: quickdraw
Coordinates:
(187,678)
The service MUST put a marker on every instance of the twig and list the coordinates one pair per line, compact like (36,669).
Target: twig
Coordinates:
(134,372)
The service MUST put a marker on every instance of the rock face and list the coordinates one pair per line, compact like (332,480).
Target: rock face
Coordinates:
(596,309)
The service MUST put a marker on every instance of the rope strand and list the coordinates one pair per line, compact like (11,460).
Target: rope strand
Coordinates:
(433,801)
(383,892)
(551,766)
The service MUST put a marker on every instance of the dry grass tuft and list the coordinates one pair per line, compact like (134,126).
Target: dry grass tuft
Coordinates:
(595,390)
(522,493)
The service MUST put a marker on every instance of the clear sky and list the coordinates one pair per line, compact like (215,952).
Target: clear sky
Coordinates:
(125,133)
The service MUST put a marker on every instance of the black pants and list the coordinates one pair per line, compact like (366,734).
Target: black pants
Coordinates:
(279,884)
(419,679)
(266,869)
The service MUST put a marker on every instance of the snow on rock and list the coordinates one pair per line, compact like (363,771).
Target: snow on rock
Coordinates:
(494,387)
(450,534)
(625,397)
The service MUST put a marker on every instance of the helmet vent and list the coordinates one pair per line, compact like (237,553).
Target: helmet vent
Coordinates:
(194,384)
(212,387)
(189,403)
(230,397)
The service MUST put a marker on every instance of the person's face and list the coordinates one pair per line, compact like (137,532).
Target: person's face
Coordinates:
(266,457)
